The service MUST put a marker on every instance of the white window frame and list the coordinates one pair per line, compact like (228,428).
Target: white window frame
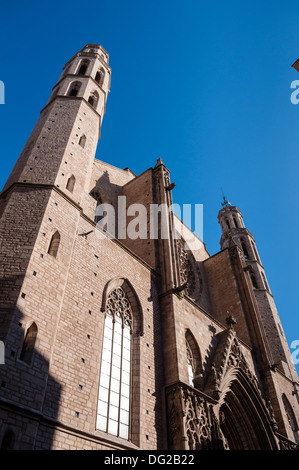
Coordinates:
(113,410)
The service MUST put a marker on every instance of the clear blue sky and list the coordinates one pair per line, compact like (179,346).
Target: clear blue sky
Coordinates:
(203,85)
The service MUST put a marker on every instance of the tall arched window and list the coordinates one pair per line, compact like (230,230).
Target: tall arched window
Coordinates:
(113,413)
(71,183)
(93,99)
(191,366)
(74,89)
(227,223)
(235,221)
(194,363)
(29,343)
(100,75)
(293,426)
(54,244)
(83,67)
(82,140)
(244,248)
(253,280)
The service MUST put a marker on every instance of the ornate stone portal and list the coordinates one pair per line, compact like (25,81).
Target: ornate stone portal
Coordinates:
(189,419)
(201,419)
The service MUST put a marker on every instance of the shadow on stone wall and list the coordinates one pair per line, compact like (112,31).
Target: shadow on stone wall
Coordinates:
(26,419)
(158,361)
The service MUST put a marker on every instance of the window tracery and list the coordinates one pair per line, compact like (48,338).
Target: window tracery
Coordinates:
(189,274)
(113,414)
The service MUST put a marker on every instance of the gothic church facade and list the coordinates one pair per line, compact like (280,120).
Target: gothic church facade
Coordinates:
(122,342)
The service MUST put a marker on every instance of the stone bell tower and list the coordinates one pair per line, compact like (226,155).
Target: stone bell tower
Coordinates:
(234,231)
(233,228)
(40,212)
(61,148)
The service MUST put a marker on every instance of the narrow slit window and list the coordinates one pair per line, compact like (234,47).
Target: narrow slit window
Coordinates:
(71,184)
(54,244)
(29,344)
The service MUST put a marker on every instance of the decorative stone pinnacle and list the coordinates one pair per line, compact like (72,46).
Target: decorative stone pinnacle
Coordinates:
(159,162)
